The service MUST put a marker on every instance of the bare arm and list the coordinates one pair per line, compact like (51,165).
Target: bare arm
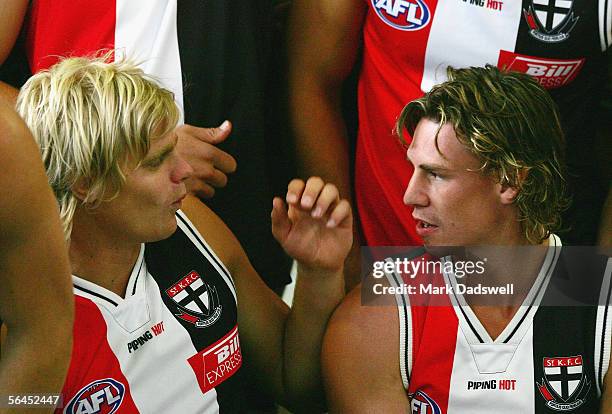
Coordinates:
(12,13)
(283,346)
(36,301)
(361,359)
(324,39)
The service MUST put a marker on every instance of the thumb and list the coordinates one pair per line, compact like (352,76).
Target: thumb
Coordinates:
(220,133)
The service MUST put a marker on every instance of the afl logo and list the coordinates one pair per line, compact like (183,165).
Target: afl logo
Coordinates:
(423,404)
(98,397)
(404,15)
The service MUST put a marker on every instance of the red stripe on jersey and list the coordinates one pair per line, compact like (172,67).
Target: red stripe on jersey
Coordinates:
(393,64)
(68,28)
(93,360)
(434,335)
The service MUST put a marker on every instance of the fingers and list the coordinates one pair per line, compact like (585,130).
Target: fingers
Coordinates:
(209,135)
(280,220)
(329,195)
(341,215)
(202,141)
(199,188)
(321,199)
(210,164)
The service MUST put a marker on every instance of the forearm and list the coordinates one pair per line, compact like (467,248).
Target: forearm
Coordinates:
(35,366)
(320,134)
(316,297)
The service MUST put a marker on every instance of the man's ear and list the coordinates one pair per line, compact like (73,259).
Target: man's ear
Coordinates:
(509,193)
(80,189)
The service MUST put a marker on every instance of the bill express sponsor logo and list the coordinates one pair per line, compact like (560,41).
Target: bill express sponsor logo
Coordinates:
(98,397)
(142,339)
(218,362)
(550,73)
(404,15)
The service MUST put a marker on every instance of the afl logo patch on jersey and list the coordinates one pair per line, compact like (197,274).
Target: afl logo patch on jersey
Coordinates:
(423,404)
(407,15)
(98,397)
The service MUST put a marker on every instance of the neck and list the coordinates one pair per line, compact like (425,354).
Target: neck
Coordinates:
(100,256)
(515,265)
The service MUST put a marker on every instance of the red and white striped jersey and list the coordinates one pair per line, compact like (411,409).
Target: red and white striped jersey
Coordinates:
(408,45)
(171,345)
(549,358)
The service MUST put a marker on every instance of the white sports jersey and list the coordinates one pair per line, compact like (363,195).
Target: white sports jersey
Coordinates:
(170,346)
(549,358)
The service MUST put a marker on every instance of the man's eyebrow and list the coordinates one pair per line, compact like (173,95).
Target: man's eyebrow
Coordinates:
(427,167)
(433,167)
(163,153)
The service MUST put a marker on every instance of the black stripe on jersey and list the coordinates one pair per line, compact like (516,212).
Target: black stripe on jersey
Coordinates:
(91,292)
(535,297)
(604,23)
(210,254)
(465,317)
(570,330)
(137,276)
(407,328)
(600,374)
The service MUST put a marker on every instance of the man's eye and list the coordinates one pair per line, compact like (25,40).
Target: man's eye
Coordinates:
(434,175)
(154,163)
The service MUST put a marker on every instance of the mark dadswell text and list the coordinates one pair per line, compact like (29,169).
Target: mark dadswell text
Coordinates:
(430,289)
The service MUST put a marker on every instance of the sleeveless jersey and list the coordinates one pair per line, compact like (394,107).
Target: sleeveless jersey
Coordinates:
(170,346)
(548,359)
(409,43)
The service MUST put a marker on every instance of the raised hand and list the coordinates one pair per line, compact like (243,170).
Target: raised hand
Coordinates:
(315,227)
(210,164)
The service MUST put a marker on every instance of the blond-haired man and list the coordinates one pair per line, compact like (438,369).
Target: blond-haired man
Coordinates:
(168,305)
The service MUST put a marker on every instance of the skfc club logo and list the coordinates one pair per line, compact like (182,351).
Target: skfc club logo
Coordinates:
(423,404)
(405,15)
(550,21)
(98,397)
(197,300)
(564,386)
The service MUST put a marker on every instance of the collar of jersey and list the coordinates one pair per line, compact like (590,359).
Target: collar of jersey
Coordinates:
(132,311)
(473,330)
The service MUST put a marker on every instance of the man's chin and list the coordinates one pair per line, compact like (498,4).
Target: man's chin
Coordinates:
(441,250)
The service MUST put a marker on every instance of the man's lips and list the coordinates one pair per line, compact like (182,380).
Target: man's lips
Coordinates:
(180,199)
(423,227)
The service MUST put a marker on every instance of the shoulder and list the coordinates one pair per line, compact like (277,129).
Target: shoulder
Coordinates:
(356,333)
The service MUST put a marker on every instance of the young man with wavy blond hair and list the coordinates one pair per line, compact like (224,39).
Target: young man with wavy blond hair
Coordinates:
(488,189)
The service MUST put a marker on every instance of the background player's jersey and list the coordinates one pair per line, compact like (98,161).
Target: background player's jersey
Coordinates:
(408,45)
(549,359)
(170,346)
